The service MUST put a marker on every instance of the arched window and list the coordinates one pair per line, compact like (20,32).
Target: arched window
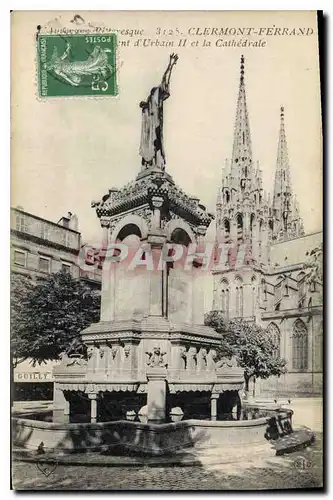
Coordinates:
(318,357)
(271,225)
(226,227)
(274,333)
(239,228)
(225,297)
(227,196)
(239,298)
(253,295)
(251,223)
(299,346)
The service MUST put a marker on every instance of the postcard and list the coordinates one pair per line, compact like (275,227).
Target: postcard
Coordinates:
(166,250)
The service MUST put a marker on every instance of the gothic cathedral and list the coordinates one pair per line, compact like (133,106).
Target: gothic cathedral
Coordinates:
(270,284)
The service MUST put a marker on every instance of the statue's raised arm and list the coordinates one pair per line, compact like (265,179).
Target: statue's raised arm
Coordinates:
(151,146)
(167,75)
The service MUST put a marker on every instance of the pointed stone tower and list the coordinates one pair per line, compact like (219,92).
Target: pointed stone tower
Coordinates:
(242,221)
(248,222)
(285,221)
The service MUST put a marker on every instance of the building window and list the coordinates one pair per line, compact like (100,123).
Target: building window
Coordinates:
(44,231)
(274,333)
(225,298)
(319,348)
(44,264)
(66,267)
(20,258)
(239,229)
(252,218)
(21,223)
(300,346)
(239,298)
(226,226)
(65,238)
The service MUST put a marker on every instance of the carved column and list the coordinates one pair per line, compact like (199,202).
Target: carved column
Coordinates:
(103,352)
(108,278)
(213,406)
(115,356)
(211,357)
(201,360)
(157,202)
(191,359)
(91,353)
(93,407)
(177,358)
(156,394)
(130,361)
(67,410)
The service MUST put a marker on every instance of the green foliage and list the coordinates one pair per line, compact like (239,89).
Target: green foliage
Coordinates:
(47,318)
(253,346)
(21,287)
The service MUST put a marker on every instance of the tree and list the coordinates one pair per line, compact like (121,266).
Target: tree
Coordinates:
(314,267)
(47,318)
(252,345)
(20,287)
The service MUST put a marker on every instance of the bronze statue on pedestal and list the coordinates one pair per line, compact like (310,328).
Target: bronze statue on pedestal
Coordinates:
(151,146)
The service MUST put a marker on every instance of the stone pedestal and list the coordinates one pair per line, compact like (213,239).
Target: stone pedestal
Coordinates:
(93,407)
(156,395)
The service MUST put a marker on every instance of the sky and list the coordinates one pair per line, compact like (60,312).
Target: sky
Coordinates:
(66,152)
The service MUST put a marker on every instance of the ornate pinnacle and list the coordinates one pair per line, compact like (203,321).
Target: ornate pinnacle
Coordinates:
(282,112)
(242,68)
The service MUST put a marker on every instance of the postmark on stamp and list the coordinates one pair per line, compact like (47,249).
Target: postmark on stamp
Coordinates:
(77,65)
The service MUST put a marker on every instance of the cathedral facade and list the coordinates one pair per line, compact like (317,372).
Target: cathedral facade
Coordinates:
(274,284)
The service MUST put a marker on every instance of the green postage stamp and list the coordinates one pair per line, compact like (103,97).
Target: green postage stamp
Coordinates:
(77,65)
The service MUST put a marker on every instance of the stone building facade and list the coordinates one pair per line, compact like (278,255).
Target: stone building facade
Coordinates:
(40,247)
(271,282)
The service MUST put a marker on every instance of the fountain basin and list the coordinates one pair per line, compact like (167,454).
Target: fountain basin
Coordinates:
(143,438)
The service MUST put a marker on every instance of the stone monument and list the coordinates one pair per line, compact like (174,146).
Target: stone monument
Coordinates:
(151,345)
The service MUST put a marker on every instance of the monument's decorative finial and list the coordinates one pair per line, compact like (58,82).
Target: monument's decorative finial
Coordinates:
(151,146)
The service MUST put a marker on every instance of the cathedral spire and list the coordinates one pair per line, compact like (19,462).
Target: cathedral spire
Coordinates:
(242,147)
(282,185)
(285,207)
